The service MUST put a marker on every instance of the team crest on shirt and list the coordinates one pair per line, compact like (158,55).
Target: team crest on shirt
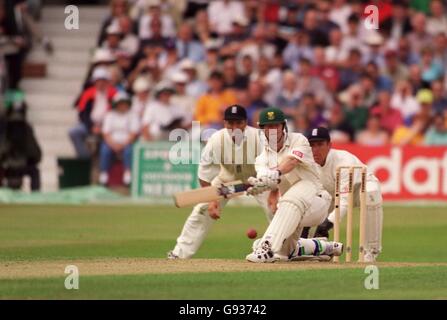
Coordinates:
(271,115)
(297,153)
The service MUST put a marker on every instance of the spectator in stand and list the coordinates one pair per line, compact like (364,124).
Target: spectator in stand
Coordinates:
(211,62)
(297,48)
(353,69)
(314,112)
(324,21)
(257,102)
(437,133)
(439,97)
(440,49)
(222,13)
(437,21)
(162,116)
(369,90)
(393,68)
(181,98)
(336,52)
(390,118)
(340,129)
(120,130)
(398,25)
(356,113)
(156,37)
(381,82)
(311,26)
(165,26)
(404,100)
(270,77)
(430,68)
(195,86)
(404,53)
(113,39)
(210,106)
(326,73)
(129,40)
(415,78)
(187,46)
(141,98)
(373,135)
(419,38)
(232,79)
(92,108)
(340,13)
(289,97)
(118,8)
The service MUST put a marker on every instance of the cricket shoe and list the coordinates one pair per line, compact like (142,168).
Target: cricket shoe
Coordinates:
(263,254)
(333,249)
(172,256)
(370,256)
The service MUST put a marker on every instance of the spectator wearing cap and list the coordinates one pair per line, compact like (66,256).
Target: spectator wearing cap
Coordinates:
(393,68)
(439,97)
(113,38)
(92,108)
(430,68)
(419,38)
(161,115)
(181,98)
(195,86)
(119,130)
(141,98)
(437,21)
(437,133)
(232,79)
(165,26)
(404,100)
(187,47)
(373,135)
(222,13)
(373,51)
(210,106)
(390,118)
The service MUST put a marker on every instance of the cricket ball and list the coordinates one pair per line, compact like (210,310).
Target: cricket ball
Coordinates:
(251,233)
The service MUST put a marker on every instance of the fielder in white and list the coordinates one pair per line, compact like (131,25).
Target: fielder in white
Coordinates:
(329,159)
(229,155)
(286,166)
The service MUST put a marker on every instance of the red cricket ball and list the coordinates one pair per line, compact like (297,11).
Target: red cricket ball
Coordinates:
(251,233)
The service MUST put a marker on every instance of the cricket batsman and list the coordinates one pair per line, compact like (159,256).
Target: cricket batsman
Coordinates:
(229,155)
(328,160)
(286,166)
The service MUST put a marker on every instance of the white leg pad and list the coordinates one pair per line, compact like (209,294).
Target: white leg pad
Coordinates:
(374,218)
(262,200)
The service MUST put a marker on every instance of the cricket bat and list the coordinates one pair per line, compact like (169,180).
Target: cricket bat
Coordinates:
(211,193)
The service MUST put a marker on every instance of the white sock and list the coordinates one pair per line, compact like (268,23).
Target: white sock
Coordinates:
(103,178)
(127,177)
(284,223)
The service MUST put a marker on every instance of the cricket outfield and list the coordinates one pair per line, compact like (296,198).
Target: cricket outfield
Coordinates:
(120,254)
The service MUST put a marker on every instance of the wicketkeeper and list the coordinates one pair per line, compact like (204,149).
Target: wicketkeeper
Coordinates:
(287,168)
(328,160)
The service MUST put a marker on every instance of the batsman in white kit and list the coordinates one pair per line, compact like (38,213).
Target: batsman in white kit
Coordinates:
(287,168)
(328,160)
(229,155)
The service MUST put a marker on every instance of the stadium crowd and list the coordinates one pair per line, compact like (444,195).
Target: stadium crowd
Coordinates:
(168,63)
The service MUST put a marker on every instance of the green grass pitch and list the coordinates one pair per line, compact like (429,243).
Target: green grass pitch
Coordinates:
(130,244)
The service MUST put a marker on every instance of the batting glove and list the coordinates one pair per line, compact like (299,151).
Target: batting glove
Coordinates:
(269,177)
(257,186)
